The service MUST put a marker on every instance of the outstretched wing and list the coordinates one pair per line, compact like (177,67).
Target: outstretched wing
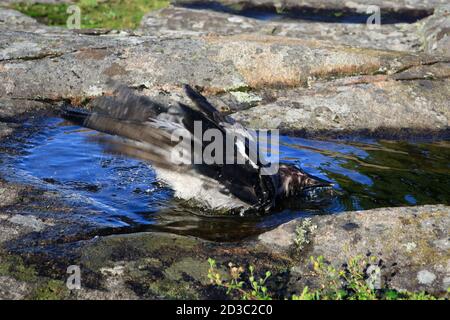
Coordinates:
(246,150)
(143,128)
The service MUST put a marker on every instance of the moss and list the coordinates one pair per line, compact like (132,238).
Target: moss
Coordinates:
(14,266)
(171,289)
(44,288)
(189,267)
(50,290)
(152,278)
(53,15)
(244,97)
(114,14)
(243,89)
(158,246)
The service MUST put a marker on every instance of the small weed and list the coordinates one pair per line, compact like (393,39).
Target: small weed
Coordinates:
(303,232)
(252,288)
(351,282)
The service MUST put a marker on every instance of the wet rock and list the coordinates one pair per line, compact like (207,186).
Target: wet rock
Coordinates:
(158,265)
(135,263)
(5,130)
(8,194)
(30,222)
(406,239)
(11,110)
(8,231)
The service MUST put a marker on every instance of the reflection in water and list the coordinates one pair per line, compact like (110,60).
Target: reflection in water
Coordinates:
(125,192)
(307,13)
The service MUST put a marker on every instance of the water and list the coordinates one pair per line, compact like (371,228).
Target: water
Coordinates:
(125,193)
(305,13)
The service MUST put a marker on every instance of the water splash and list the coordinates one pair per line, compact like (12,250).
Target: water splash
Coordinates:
(124,192)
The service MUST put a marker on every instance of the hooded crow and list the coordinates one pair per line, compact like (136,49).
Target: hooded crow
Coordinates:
(236,179)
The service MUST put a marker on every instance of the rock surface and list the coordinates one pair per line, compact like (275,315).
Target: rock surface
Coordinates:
(8,194)
(179,20)
(360,104)
(435,31)
(413,243)
(236,72)
(83,66)
(283,75)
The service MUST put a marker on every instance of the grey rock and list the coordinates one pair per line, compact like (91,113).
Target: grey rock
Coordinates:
(8,194)
(282,82)
(442,244)
(210,62)
(15,20)
(179,21)
(12,289)
(30,222)
(152,265)
(358,104)
(446,283)
(224,65)
(435,32)
(426,277)
(12,109)
(8,232)
(316,90)
(387,234)
(5,131)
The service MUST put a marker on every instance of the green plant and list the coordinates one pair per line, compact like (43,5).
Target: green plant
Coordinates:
(303,232)
(50,290)
(113,14)
(307,295)
(252,288)
(351,282)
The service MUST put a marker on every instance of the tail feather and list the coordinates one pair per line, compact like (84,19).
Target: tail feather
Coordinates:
(200,101)
(204,106)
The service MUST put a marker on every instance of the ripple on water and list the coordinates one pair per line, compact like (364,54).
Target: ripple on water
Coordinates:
(367,174)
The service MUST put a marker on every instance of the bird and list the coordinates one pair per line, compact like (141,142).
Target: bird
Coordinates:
(138,126)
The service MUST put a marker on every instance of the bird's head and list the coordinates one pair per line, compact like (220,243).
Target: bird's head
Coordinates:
(293,181)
